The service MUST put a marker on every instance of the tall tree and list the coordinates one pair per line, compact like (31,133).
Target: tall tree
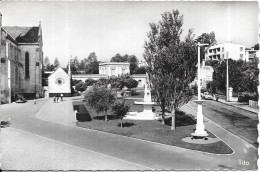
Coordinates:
(133,63)
(171,63)
(92,57)
(56,62)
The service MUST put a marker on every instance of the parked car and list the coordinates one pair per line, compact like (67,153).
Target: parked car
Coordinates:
(207,95)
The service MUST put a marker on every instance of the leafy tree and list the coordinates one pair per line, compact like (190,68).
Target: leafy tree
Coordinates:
(171,63)
(74,82)
(102,82)
(81,86)
(92,57)
(256,46)
(100,99)
(89,82)
(120,109)
(119,58)
(140,70)
(131,83)
(92,68)
(133,63)
(56,62)
(206,38)
(46,61)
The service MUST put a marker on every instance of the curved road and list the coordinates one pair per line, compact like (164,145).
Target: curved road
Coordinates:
(238,121)
(42,144)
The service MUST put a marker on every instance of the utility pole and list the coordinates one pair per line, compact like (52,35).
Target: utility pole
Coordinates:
(227,93)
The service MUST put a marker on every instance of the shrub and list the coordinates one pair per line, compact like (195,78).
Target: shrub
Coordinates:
(120,109)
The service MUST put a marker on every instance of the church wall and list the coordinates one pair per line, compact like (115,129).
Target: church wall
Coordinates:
(32,85)
(4,94)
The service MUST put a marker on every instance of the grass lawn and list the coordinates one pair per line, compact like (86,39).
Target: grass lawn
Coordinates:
(154,130)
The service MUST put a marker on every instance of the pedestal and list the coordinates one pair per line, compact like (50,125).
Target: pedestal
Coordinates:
(200,128)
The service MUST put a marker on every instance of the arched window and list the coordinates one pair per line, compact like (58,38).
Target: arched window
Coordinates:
(27,71)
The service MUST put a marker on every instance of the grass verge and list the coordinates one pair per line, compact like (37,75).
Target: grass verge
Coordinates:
(154,131)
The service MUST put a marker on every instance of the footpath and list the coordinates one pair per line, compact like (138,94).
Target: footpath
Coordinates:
(240,105)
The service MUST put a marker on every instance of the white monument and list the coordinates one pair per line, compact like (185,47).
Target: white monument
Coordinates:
(147,113)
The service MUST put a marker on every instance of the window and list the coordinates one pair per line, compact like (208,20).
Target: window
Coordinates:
(27,71)
(222,49)
(123,71)
(241,56)
(113,72)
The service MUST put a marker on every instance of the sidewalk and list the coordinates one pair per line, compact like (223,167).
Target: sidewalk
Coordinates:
(240,105)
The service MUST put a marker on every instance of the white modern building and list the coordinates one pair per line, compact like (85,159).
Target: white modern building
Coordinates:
(114,68)
(219,52)
(251,54)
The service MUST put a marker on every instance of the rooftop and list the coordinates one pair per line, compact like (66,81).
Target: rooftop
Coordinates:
(23,34)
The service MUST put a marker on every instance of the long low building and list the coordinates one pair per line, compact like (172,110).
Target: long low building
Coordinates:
(83,77)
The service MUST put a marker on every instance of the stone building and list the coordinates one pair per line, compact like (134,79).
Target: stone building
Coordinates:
(21,62)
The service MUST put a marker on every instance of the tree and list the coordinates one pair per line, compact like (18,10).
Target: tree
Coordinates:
(140,70)
(46,61)
(92,57)
(119,58)
(206,38)
(56,62)
(100,99)
(171,63)
(256,46)
(120,109)
(90,82)
(131,83)
(81,86)
(133,63)
(92,68)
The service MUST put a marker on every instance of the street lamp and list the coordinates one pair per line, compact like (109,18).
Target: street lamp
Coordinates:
(227,94)
(200,128)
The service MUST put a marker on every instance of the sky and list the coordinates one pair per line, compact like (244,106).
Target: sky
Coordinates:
(77,28)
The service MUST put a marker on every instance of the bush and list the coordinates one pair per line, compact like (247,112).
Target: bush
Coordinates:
(246,97)
(83,116)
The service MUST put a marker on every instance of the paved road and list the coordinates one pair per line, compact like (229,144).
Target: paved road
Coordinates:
(238,121)
(31,143)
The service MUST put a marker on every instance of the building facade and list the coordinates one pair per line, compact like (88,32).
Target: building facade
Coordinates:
(219,52)
(251,54)
(59,82)
(114,68)
(21,62)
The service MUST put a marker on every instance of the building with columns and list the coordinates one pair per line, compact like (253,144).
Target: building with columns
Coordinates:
(21,62)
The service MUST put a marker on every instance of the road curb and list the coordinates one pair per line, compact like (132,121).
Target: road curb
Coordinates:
(237,107)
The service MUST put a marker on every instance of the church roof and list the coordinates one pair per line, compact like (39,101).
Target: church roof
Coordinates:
(23,34)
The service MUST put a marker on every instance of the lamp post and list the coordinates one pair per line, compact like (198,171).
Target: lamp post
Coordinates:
(200,128)
(227,93)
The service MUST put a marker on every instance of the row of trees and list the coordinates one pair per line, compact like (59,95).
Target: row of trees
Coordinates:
(243,76)
(115,83)
(90,65)
(132,59)
(48,66)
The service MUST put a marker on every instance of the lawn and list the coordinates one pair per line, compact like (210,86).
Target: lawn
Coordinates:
(154,130)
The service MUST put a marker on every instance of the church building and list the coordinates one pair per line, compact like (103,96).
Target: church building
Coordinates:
(21,62)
